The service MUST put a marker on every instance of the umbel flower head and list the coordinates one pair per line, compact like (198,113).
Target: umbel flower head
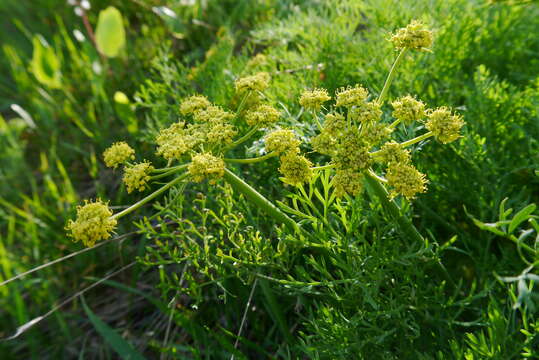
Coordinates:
(295,168)
(314,99)
(175,141)
(414,36)
(349,182)
(94,222)
(282,141)
(408,109)
(392,152)
(366,113)
(257,82)
(351,96)
(406,180)
(136,177)
(118,153)
(193,104)
(206,166)
(444,125)
(262,115)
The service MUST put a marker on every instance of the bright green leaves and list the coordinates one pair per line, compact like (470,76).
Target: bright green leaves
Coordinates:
(45,65)
(110,32)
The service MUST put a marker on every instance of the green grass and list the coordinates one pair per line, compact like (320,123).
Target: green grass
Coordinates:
(442,298)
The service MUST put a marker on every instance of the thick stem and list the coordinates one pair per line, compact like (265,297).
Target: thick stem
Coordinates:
(404,223)
(391,75)
(244,138)
(410,142)
(252,160)
(241,186)
(152,196)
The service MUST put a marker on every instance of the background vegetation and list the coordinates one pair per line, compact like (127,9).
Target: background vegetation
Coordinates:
(466,292)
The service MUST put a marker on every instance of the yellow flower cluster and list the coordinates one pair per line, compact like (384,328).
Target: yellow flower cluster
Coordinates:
(193,104)
(175,141)
(348,182)
(257,82)
(118,153)
(445,125)
(393,152)
(414,36)
(352,153)
(282,141)
(212,113)
(262,115)
(408,109)
(351,96)
(405,179)
(136,177)
(206,166)
(295,168)
(314,99)
(366,112)
(93,223)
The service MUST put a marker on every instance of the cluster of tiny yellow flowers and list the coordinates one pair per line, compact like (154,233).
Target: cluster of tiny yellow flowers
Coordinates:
(393,152)
(414,36)
(314,99)
(262,115)
(408,109)
(444,125)
(257,82)
(405,179)
(258,60)
(206,166)
(282,141)
(136,177)
(175,141)
(348,182)
(94,222)
(117,154)
(193,104)
(295,168)
(351,96)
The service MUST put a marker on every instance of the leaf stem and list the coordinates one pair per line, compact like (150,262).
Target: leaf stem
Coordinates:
(241,186)
(251,160)
(152,196)
(391,75)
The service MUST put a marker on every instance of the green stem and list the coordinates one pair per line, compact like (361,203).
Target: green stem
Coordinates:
(168,173)
(394,124)
(404,223)
(417,139)
(252,160)
(241,186)
(323,167)
(152,196)
(410,142)
(391,75)
(165,169)
(244,138)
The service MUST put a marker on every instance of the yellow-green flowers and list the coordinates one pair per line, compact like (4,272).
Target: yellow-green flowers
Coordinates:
(282,141)
(262,115)
(206,166)
(367,112)
(295,168)
(408,109)
(314,99)
(175,141)
(348,182)
(444,125)
(94,222)
(136,177)
(406,180)
(414,36)
(117,154)
(257,82)
(351,96)
(393,152)
(193,104)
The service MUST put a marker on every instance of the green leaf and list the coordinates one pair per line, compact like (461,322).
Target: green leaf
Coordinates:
(45,65)
(521,216)
(122,347)
(110,32)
